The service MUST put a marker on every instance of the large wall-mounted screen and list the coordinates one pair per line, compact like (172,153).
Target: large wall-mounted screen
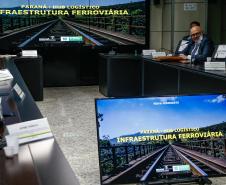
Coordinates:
(161,140)
(41,23)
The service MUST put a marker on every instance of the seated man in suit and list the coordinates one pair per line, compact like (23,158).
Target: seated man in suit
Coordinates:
(199,47)
(184,42)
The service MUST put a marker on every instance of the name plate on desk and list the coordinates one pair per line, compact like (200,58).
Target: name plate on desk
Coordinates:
(7,56)
(148,52)
(214,65)
(19,91)
(29,53)
(158,54)
(31,130)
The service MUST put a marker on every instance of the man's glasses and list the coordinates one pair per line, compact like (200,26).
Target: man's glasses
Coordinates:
(196,34)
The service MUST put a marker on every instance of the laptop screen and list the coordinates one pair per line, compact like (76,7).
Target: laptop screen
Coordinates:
(161,140)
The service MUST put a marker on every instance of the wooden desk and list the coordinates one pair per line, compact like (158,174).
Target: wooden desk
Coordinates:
(38,163)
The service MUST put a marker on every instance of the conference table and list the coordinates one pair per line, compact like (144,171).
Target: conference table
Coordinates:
(38,163)
(126,75)
(175,78)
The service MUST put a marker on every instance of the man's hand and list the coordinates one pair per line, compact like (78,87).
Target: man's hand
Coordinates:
(184,56)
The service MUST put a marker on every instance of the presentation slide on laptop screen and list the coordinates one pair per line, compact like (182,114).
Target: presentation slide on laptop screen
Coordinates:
(161,139)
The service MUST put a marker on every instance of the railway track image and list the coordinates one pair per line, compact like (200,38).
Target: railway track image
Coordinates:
(21,37)
(62,28)
(68,28)
(50,33)
(115,37)
(30,37)
(169,165)
(209,165)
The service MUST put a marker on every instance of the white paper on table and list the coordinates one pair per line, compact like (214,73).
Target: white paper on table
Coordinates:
(222,48)
(221,52)
(5,75)
(221,55)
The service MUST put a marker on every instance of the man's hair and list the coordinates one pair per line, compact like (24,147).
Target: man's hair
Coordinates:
(194,23)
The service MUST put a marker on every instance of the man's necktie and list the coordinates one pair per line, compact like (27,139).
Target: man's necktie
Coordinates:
(194,51)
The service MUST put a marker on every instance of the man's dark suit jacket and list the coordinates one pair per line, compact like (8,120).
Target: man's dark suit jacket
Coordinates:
(206,49)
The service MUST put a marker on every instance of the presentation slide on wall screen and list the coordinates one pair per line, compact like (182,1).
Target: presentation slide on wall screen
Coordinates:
(161,140)
(88,22)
